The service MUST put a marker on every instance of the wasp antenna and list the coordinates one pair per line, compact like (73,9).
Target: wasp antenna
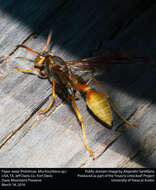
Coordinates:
(29,49)
(48,40)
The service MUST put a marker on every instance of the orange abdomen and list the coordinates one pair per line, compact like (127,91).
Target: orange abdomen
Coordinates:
(99,106)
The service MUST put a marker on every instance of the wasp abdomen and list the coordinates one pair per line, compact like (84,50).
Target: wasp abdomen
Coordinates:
(98,104)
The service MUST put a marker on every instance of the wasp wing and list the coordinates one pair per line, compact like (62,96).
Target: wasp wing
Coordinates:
(104,61)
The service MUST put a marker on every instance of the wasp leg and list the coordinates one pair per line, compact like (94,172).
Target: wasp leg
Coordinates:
(82,124)
(74,79)
(131,124)
(40,74)
(113,105)
(27,70)
(90,78)
(52,100)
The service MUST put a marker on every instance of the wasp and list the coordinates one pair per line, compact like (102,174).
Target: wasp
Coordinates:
(70,86)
